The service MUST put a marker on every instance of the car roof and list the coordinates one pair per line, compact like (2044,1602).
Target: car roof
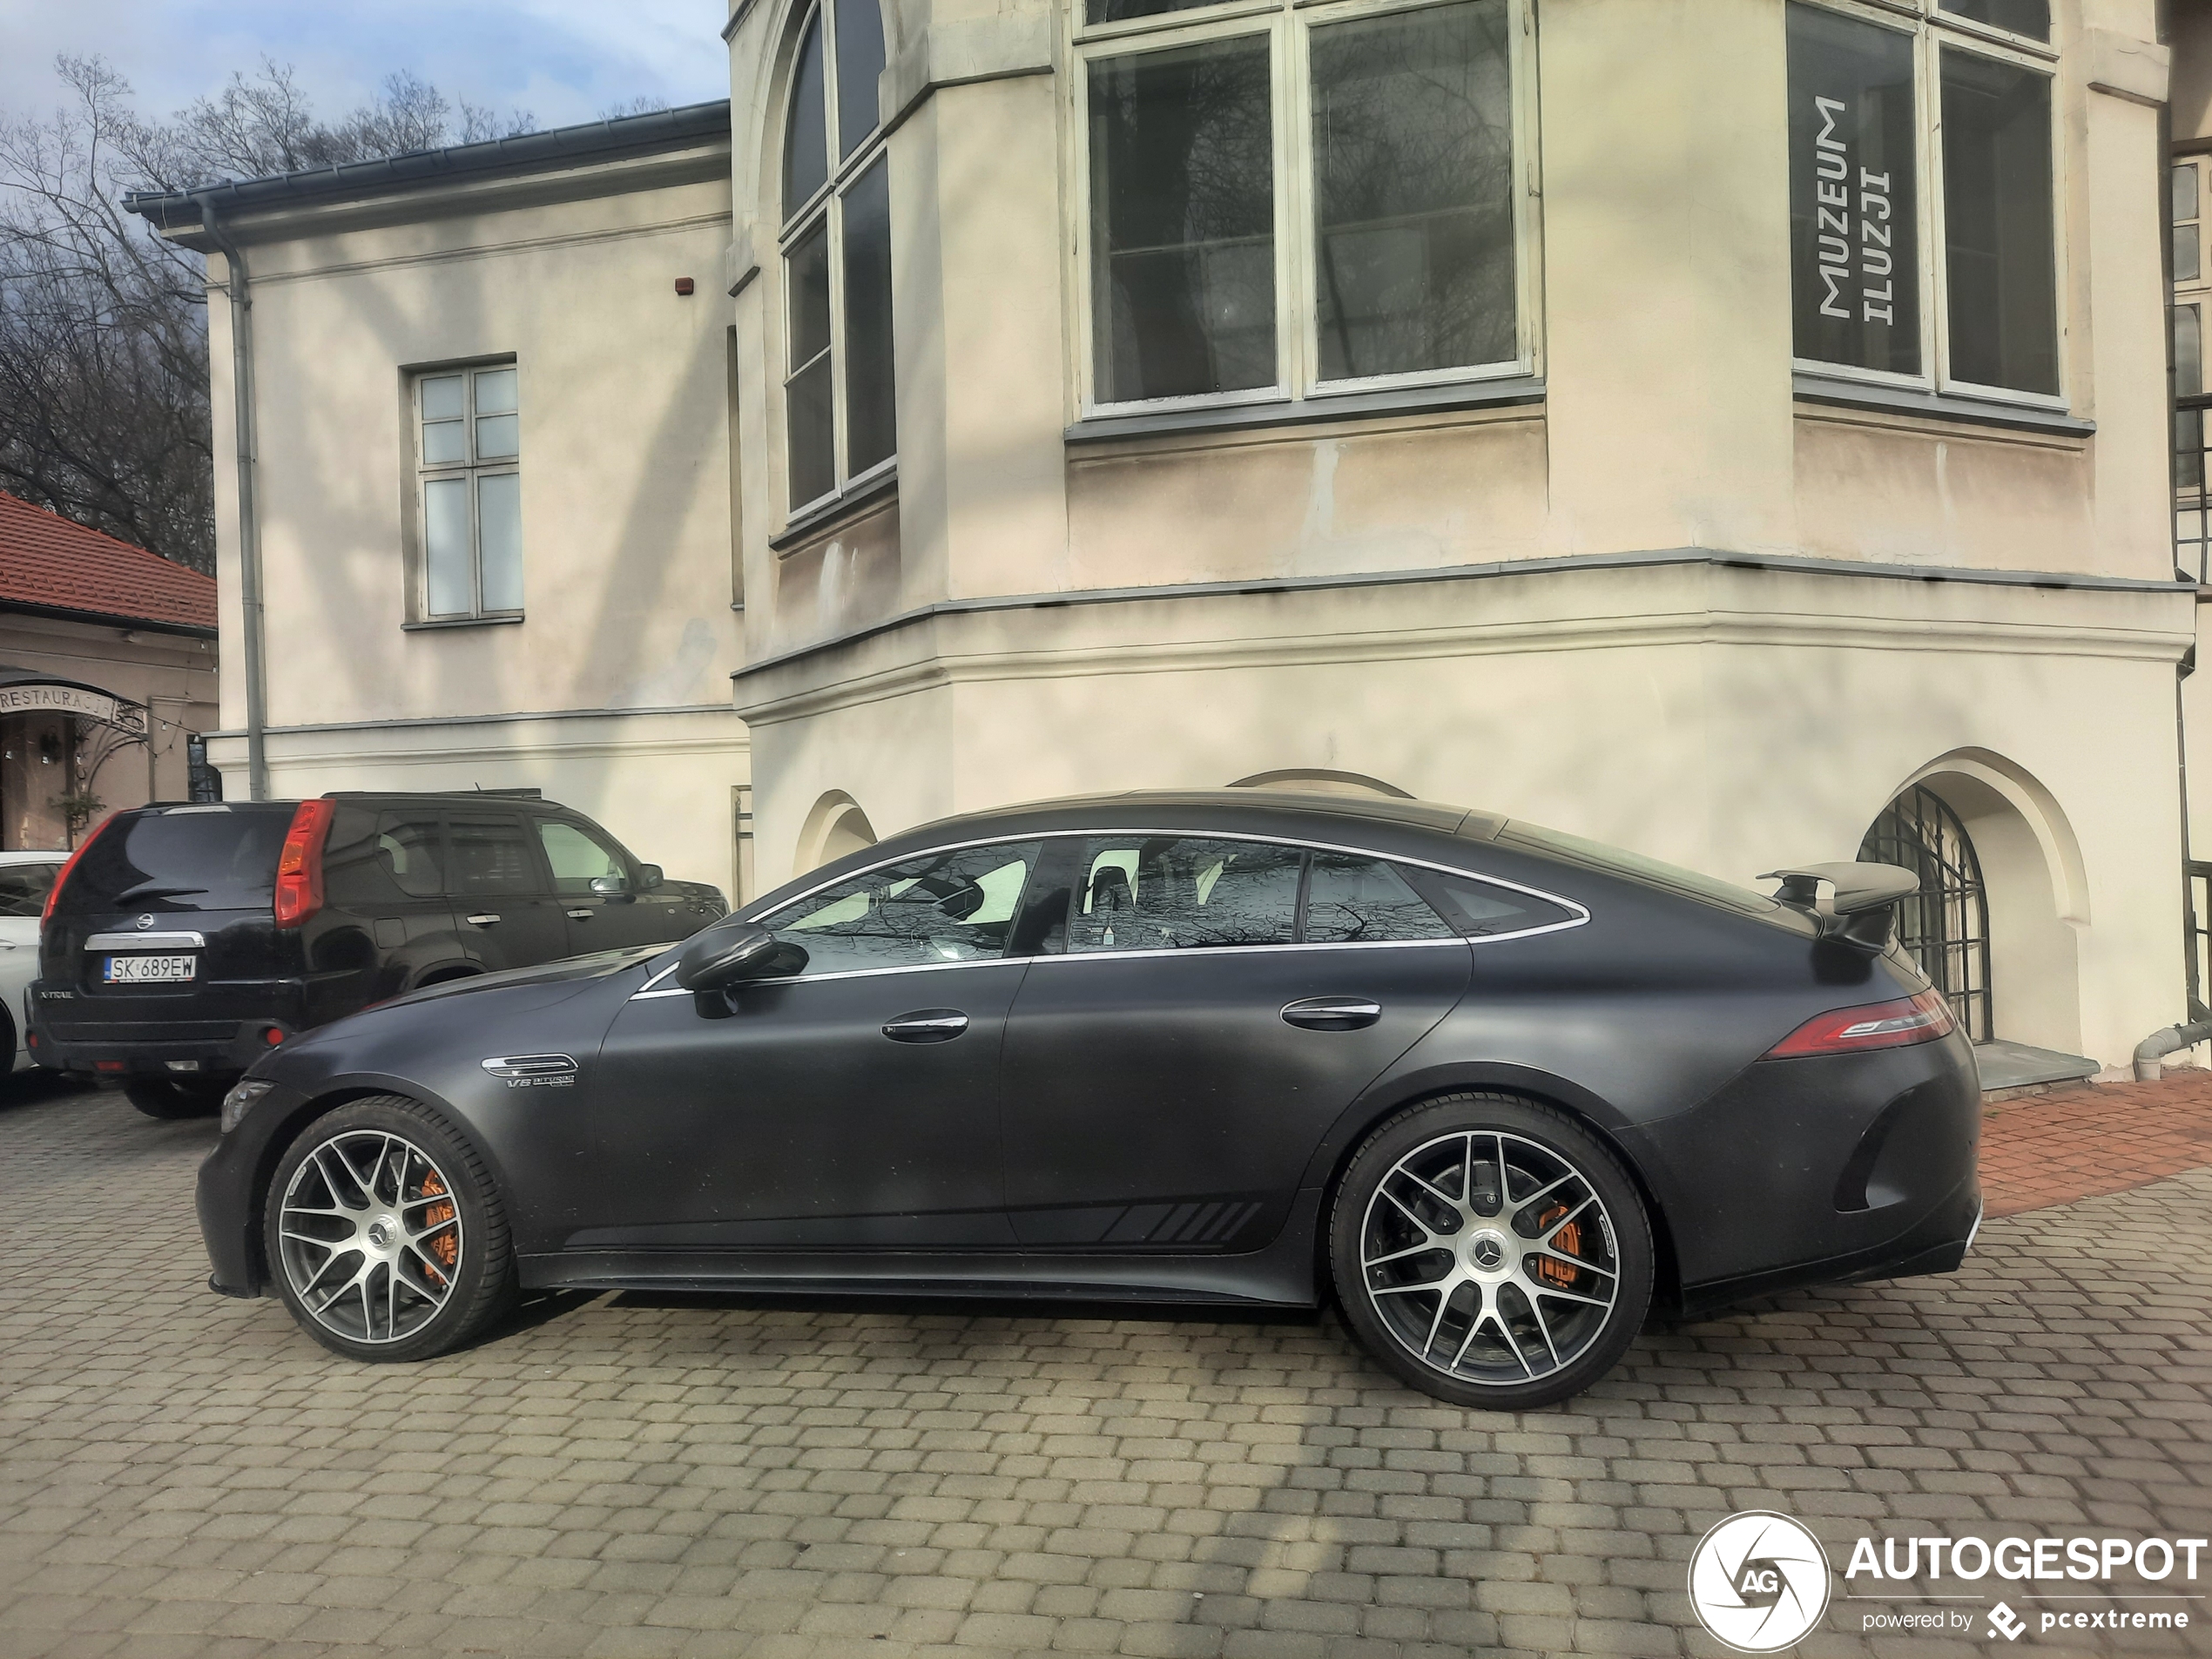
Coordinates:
(1260,811)
(34,855)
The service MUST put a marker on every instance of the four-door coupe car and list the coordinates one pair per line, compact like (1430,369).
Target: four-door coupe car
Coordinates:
(182,942)
(1492,1087)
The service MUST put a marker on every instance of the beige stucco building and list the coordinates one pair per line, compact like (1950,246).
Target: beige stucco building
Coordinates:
(491,478)
(1733,428)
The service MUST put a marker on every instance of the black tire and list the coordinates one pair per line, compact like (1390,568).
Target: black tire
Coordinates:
(390,1254)
(168,1098)
(1591,1281)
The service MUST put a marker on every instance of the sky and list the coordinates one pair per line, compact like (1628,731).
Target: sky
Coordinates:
(563,60)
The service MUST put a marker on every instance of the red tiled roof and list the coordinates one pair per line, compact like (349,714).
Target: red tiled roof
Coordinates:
(54,563)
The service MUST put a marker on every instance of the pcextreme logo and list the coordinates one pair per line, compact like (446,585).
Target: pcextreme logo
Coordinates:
(1758,1581)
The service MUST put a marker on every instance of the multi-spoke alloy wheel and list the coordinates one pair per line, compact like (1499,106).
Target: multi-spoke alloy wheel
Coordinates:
(1490,1251)
(381,1230)
(371,1235)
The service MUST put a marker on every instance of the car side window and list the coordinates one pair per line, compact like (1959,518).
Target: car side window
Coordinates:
(490,856)
(24,887)
(1354,900)
(956,907)
(578,858)
(369,860)
(1183,893)
(1483,910)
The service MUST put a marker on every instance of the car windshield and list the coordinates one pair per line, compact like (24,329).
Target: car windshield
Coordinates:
(183,858)
(1616,861)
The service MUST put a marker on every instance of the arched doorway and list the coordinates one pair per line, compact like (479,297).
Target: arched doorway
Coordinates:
(836,825)
(1946,925)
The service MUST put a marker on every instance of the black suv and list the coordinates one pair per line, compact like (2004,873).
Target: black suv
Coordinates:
(181,942)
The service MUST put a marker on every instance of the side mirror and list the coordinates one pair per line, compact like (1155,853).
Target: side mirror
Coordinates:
(651,876)
(722,957)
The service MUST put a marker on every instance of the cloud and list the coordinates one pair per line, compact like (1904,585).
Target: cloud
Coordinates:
(564,60)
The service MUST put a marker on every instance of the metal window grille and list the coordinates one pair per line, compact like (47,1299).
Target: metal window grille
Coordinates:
(2192,505)
(2199,921)
(1946,925)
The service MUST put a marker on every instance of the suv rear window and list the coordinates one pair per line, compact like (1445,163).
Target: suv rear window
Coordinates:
(181,857)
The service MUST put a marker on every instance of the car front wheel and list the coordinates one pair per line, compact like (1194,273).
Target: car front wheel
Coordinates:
(1490,1251)
(385,1235)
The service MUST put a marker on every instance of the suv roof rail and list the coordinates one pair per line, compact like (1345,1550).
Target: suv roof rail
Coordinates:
(529,793)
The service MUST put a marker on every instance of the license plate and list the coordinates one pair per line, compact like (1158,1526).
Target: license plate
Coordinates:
(147,970)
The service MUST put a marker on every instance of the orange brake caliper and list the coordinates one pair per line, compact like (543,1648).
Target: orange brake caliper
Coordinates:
(446,1246)
(1569,1242)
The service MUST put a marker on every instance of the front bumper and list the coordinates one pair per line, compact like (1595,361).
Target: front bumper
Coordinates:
(229,1192)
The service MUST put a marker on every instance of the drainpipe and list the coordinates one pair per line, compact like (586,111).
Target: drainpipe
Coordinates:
(249,530)
(2163,1042)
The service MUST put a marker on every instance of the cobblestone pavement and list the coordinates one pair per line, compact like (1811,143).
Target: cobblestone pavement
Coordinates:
(2141,1131)
(183,1475)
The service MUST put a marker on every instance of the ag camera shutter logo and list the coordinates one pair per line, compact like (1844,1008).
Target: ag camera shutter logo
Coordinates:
(1759,1582)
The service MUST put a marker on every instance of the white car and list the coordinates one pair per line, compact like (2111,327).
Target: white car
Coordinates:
(25,879)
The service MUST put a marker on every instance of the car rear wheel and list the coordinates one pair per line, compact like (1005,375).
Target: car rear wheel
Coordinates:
(1490,1251)
(166,1098)
(385,1235)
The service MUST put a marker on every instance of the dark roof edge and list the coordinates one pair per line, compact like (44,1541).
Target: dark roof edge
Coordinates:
(108,619)
(525,153)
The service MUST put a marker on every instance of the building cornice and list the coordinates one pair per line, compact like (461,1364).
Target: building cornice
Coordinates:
(965,640)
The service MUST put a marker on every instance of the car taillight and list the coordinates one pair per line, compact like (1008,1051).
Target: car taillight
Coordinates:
(1872,1025)
(298,883)
(68,865)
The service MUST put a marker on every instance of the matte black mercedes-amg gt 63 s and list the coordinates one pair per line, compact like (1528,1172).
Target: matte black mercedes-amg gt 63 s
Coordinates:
(1495,1088)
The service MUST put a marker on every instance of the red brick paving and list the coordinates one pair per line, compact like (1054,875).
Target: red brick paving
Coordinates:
(2078,1142)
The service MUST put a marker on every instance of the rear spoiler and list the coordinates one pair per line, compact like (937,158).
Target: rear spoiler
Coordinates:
(1861,908)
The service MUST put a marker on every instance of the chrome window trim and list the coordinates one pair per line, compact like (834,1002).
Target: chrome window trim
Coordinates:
(1580,912)
(146,942)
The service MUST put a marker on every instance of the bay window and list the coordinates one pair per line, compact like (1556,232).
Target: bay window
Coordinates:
(1922,195)
(1300,200)
(840,395)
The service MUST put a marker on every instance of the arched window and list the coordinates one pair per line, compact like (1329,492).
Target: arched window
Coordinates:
(839,420)
(1946,925)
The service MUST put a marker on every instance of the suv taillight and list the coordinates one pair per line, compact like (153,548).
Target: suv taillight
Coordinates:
(69,864)
(299,882)
(1872,1025)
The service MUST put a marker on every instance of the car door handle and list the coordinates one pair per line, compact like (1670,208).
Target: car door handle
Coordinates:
(1332,1013)
(483,919)
(581,915)
(926,1025)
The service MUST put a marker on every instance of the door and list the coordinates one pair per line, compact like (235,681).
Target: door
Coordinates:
(850,1105)
(598,887)
(384,871)
(1170,1070)
(502,901)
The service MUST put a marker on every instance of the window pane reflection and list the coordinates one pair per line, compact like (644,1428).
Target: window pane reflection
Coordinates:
(1412,156)
(859,62)
(445,537)
(1854,246)
(806,134)
(810,433)
(1183,230)
(810,296)
(499,537)
(1181,892)
(2029,18)
(871,412)
(1998,224)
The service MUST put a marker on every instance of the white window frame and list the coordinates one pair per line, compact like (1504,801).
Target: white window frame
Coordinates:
(1932,28)
(1287,26)
(826,206)
(469,470)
